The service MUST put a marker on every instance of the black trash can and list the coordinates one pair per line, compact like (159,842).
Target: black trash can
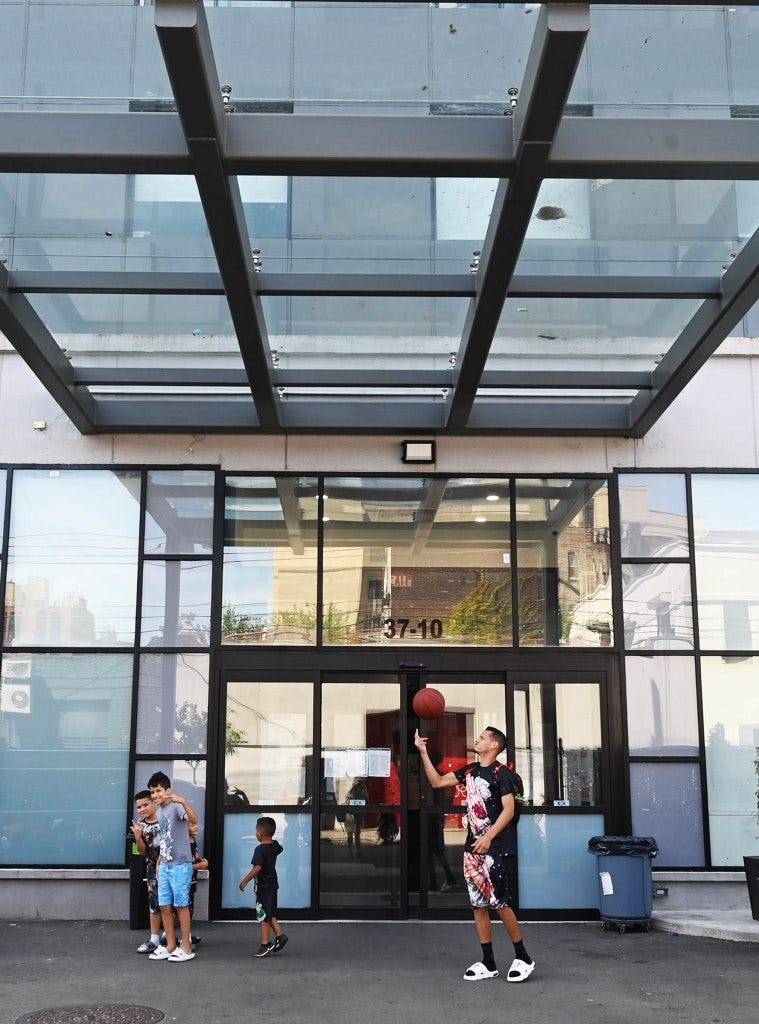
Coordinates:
(752,880)
(139,917)
(624,878)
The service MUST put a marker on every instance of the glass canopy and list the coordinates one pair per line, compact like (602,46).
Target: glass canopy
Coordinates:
(420,218)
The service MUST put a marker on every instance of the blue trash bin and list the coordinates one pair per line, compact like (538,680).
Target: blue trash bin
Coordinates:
(624,878)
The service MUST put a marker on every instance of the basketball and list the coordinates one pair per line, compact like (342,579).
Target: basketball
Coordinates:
(428,703)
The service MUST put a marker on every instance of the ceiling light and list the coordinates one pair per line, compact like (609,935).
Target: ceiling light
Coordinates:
(480,519)
(493,497)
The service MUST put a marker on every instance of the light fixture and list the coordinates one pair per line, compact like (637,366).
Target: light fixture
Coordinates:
(480,519)
(417,451)
(492,497)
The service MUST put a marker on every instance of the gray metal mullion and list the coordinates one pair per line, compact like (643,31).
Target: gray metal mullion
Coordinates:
(700,339)
(114,282)
(160,376)
(542,418)
(146,415)
(612,380)
(556,50)
(574,286)
(20,323)
(185,41)
(378,415)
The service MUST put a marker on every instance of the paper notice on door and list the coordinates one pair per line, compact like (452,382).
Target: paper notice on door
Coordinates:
(607,886)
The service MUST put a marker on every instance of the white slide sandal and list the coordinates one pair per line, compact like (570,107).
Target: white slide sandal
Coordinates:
(520,971)
(479,972)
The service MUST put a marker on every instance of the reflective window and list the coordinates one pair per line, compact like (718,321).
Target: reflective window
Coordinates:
(557,736)
(653,516)
(64,757)
(445,838)
(554,867)
(176,604)
(417,561)
(172,704)
(72,559)
(269,561)
(662,717)
(666,804)
(657,607)
(188,778)
(293,864)
(730,695)
(554,518)
(179,515)
(268,743)
(360,795)
(726,529)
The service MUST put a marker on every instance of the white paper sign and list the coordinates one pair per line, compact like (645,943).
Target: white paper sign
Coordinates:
(607,886)
(335,763)
(378,762)
(356,763)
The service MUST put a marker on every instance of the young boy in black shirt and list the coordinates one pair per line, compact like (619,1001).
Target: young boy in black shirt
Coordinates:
(264,871)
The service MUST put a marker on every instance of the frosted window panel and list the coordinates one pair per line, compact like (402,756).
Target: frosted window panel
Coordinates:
(64,757)
(662,717)
(657,607)
(730,695)
(666,804)
(653,516)
(293,864)
(555,868)
(726,529)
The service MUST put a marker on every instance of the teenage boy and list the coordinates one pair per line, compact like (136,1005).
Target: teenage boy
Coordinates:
(175,816)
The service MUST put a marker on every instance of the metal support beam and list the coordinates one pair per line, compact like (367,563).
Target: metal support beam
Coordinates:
(22,326)
(701,338)
(557,46)
(223,415)
(186,44)
(146,282)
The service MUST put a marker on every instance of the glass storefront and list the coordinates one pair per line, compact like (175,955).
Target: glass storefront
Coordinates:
(259,639)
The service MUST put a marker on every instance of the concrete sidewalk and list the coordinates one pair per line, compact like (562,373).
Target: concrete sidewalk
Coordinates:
(366,973)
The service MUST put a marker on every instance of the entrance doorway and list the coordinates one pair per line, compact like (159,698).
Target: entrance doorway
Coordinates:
(332,760)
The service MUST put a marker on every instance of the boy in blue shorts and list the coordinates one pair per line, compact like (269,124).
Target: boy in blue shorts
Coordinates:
(175,867)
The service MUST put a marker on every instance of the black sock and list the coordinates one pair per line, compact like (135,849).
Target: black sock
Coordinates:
(521,953)
(487,956)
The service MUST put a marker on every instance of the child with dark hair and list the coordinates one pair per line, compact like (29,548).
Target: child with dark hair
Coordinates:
(145,829)
(264,871)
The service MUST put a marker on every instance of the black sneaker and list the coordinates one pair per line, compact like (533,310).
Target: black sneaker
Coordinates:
(264,950)
(279,943)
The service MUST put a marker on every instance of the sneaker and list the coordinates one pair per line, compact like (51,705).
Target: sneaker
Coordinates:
(147,947)
(264,950)
(179,956)
(161,953)
(195,940)
(162,939)
(279,943)
(448,885)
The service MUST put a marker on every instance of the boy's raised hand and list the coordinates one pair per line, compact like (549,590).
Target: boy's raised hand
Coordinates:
(137,829)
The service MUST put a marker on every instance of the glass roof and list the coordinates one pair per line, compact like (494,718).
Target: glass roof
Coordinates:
(353,217)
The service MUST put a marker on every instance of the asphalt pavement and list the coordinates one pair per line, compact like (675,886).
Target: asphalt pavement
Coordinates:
(364,973)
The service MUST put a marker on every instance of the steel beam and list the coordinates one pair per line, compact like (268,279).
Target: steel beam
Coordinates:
(140,415)
(701,338)
(557,46)
(147,282)
(22,326)
(545,418)
(185,41)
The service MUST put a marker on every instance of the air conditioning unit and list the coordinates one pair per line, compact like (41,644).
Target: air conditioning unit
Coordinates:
(15,686)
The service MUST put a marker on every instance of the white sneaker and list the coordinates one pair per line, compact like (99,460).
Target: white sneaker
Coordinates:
(161,953)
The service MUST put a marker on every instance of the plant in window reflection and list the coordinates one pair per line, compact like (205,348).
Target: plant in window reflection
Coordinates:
(483,616)
(191,730)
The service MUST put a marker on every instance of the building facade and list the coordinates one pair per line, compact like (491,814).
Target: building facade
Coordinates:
(251,609)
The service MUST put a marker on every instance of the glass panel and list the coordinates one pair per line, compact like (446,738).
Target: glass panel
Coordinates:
(64,758)
(105,222)
(662,718)
(604,227)
(563,563)
(582,334)
(417,561)
(72,563)
(726,528)
(657,607)
(269,590)
(172,705)
(176,604)
(555,869)
(142,331)
(293,864)
(557,734)
(188,778)
(370,332)
(268,745)
(360,861)
(730,694)
(653,516)
(179,517)
(666,804)
(446,835)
